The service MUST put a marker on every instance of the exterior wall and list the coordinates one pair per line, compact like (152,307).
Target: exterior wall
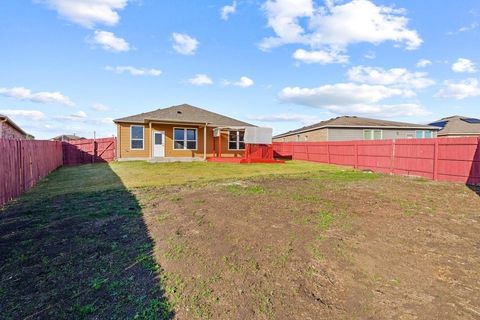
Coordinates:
(124,150)
(315,135)
(9,132)
(348,134)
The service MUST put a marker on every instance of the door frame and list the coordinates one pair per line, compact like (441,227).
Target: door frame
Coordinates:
(153,142)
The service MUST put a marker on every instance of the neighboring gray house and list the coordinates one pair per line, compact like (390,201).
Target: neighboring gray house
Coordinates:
(458,126)
(356,128)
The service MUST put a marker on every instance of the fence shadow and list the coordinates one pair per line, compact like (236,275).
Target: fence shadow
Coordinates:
(76,246)
(473,181)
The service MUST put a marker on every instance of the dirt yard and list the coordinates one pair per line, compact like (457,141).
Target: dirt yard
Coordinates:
(314,242)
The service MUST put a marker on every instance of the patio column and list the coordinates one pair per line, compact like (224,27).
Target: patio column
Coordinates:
(150,135)
(205,142)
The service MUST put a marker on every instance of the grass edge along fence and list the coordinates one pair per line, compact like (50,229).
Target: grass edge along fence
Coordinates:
(25,162)
(442,159)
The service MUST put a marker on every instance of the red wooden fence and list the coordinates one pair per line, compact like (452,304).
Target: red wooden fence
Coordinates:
(89,151)
(23,163)
(452,159)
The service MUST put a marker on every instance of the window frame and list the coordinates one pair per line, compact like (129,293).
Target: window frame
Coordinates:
(185,140)
(372,134)
(136,139)
(237,140)
(424,134)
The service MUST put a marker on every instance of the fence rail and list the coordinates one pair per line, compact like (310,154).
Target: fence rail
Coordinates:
(23,163)
(445,159)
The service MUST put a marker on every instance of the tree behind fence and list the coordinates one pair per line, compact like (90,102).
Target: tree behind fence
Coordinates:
(452,159)
(23,163)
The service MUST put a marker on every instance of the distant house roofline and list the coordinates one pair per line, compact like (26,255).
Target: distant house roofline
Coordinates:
(4,118)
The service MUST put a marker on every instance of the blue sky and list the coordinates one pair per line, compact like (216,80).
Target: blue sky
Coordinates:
(71,66)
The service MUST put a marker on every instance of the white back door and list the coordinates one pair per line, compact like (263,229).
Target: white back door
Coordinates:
(158,144)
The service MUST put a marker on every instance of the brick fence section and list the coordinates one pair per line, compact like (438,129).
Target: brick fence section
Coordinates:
(443,159)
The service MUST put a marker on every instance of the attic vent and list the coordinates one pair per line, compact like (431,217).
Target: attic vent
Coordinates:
(179,112)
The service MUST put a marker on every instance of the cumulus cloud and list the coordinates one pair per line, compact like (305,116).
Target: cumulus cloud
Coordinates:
(134,71)
(423,63)
(320,56)
(100,107)
(226,11)
(21,93)
(33,115)
(184,44)
(244,82)
(79,116)
(460,90)
(463,65)
(325,26)
(396,77)
(88,13)
(352,98)
(285,117)
(109,41)
(200,80)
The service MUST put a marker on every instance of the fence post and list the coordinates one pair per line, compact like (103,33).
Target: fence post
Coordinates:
(392,162)
(356,155)
(435,160)
(328,152)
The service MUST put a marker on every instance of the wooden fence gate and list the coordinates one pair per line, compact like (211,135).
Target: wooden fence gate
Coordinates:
(89,151)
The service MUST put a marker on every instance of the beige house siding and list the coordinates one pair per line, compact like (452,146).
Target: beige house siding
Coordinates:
(9,132)
(125,151)
(347,134)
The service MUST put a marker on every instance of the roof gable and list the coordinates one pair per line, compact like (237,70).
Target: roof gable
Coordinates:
(183,113)
(455,125)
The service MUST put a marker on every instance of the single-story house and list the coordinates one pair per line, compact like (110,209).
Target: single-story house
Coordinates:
(347,128)
(67,137)
(178,133)
(458,126)
(10,130)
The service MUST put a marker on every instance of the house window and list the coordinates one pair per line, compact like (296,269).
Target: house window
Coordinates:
(372,134)
(423,134)
(236,140)
(136,137)
(184,139)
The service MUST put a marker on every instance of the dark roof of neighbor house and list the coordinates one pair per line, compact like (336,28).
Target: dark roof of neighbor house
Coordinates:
(183,113)
(67,137)
(13,124)
(458,125)
(357,122)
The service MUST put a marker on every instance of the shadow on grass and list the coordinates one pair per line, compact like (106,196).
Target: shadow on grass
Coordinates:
(74,247)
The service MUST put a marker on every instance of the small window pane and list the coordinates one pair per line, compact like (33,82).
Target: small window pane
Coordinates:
(179,144)
(367,134)
(377,135)
(232,145)
(191,145)
(419,134)
(137,132)
(428,134)
(179,134)
(137,144)
(158,138)
(191,134)
(241,135)
(241,145)
(232,135)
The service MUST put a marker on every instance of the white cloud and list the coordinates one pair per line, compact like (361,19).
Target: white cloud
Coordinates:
(226,11)
(396,77)
(201,80)
(351,98)
(460,90)
(471,26)
(109,41)
(21,93)
(286,117)
(184,44)
(88,13)
(320,56)
(464,65)
(100,107)
(79,114)
(423,63)
(244,82)
(33,115)
(134,71)
(325,27)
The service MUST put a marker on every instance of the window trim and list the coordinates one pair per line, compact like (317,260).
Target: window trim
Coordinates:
(136,139)
(373,134)
(185,139)
(424,134)
(237,141)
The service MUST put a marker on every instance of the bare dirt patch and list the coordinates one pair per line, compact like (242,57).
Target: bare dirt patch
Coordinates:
(340,246)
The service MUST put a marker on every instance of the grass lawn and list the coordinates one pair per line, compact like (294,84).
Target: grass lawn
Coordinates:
(228,241)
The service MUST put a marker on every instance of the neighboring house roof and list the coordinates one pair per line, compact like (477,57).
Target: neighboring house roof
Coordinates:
(183,113)
(13,124)
(67,137)
(458,125)
(357,122)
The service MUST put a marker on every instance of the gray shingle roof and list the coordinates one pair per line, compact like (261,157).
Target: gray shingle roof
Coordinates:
(184,113)
(458,125)
(356,122)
